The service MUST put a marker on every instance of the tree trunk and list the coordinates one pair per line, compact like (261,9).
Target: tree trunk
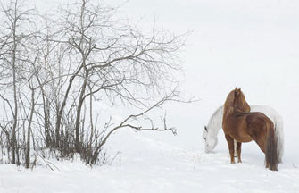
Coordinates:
(77,125)
(59,114)
(15,114)
(27,158)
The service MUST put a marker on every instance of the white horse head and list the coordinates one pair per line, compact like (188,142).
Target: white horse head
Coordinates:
(210,131)
(210,141)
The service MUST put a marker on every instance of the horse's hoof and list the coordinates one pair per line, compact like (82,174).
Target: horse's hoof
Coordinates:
(239,161)
(273,169)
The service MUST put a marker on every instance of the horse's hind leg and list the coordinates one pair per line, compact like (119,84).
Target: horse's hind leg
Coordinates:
(231,148)
(239,145)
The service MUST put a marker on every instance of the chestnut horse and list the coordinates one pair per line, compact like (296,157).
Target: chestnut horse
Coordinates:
(239,124)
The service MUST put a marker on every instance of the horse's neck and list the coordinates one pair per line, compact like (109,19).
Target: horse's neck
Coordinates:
(228,111)
(215,123)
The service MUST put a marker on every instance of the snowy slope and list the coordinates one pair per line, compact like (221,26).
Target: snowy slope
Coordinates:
(147,164)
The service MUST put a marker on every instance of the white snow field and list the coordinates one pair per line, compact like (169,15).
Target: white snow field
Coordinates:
(149,165)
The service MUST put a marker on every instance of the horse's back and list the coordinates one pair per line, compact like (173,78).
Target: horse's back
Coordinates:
(258,124)
(257,119)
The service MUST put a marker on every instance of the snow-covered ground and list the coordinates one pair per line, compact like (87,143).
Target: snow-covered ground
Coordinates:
(146,164)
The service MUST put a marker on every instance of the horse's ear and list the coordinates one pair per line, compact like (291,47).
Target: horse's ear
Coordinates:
(237,91)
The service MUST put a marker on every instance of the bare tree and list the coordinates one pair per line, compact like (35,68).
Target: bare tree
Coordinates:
(112,58)
(16,17)
(88,56)
(27,153)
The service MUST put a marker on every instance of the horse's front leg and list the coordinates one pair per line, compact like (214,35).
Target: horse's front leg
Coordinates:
(239,145)
(231,148)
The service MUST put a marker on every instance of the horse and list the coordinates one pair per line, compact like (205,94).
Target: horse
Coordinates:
(240,124)
(210,131)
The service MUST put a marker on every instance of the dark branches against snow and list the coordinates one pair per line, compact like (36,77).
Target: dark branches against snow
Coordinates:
(73,64)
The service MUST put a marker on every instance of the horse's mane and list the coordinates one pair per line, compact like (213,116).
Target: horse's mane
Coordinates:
(216,116)
(235,102)
(229,102)
(215,123)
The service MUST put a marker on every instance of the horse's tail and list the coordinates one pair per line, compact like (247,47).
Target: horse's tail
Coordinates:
(279,133)
(271,150)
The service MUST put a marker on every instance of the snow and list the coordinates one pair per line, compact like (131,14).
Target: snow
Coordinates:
(149,165)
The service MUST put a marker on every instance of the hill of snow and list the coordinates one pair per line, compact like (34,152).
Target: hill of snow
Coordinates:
(147,164)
